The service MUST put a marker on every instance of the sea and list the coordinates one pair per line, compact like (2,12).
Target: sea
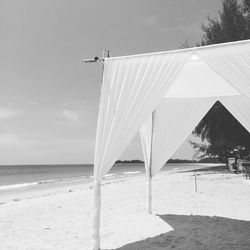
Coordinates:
(19,176)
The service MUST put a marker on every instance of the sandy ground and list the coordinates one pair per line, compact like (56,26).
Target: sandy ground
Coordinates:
(216,217)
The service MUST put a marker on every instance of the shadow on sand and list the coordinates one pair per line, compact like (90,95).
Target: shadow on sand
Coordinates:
(198,233)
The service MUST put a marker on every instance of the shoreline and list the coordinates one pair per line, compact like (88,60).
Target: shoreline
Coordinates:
(112,172)
(60,217)
(56,186)
(48,187)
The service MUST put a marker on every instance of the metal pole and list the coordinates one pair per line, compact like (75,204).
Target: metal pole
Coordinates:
(150,168)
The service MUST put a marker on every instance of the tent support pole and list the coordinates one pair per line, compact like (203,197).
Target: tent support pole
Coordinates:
(150,169)
(97,214)
(149,195)
(97,184)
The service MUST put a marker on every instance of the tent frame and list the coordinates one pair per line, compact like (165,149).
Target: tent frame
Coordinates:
(97,184)
(149,201)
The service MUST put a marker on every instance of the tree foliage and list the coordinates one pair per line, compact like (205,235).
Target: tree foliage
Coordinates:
(231,25)
(223,132)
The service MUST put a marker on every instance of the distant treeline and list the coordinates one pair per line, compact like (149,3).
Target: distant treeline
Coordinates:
(210,160)
(204,160)
(127,161)
(180,161)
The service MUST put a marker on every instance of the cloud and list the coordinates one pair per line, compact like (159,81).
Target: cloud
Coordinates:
(14,140)
(72,141)
(74,103)
(183,27)
(84,117)
(31,103)
(71,115)
(6,113)
(8,139)
(150,21)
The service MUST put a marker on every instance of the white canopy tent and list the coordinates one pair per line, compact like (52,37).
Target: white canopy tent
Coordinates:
(178,87)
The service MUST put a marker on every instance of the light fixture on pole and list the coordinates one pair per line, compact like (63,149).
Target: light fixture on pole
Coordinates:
(106,53)
(94,60)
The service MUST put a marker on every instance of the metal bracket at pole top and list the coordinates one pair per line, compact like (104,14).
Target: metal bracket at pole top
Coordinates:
(106,53)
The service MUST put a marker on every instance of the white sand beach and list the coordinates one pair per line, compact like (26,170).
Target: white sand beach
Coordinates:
(216,217)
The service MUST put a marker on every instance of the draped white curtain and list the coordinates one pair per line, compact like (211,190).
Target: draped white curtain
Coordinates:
(232,62)
(239,107)
(132,88)
(174,120)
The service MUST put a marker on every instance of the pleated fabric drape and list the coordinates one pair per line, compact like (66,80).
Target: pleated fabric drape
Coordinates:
(132,88)
(232,62)
(239,107)
(174,120)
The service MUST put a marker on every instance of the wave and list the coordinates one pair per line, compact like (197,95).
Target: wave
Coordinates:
(119,174)
(41,182)
(22,185)
(110,175)
(133,172)
(13,186)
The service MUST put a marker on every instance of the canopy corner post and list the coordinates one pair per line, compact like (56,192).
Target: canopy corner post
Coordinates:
(149,203)
(97,215)
(97,184)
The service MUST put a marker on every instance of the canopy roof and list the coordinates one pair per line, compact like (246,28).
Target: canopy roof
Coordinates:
(178,87)
(189,80)
(197,79)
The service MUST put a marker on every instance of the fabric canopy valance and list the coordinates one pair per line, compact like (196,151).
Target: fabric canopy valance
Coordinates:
(174,120)
(164,96)
(133,87)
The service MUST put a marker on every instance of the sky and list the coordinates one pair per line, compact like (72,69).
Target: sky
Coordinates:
(48,98)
